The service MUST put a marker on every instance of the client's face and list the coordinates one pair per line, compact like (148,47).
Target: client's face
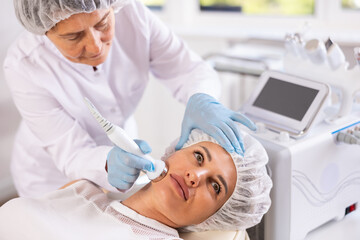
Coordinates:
(199,181)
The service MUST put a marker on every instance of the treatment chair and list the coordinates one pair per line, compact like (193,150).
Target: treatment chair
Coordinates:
(215,235)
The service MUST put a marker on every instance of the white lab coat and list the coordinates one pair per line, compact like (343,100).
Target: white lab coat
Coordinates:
(58,140)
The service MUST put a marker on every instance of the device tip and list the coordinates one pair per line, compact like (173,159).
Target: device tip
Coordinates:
(162,174)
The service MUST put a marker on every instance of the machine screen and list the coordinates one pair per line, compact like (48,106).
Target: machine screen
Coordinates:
(288,99)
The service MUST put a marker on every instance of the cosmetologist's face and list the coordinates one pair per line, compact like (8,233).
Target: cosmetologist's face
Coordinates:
(200,179)
(85,37)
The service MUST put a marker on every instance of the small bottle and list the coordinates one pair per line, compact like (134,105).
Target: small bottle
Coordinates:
(335,55)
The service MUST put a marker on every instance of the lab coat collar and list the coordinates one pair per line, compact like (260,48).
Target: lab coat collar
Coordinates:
(86,68)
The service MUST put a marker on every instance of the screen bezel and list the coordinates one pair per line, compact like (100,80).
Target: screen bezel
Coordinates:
(280,122)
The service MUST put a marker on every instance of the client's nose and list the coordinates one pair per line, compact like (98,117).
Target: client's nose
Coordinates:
(193,178)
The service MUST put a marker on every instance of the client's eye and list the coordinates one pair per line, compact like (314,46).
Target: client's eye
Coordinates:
(199,157)
(216,187)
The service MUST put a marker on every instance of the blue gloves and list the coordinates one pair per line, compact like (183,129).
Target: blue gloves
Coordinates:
(206,113)
(124,168)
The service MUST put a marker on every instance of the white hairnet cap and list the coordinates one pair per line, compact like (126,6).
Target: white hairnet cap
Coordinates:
(251,197)
(39,16)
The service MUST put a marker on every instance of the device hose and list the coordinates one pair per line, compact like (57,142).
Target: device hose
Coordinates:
(348,138)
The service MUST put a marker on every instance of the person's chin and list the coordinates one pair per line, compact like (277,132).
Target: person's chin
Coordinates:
(93,61)
(96,60)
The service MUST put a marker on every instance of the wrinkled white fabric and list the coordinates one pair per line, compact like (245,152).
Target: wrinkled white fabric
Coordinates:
(80,211)
(58,140)
(251,197)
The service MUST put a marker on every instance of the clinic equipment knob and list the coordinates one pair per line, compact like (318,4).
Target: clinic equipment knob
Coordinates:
(261,128)
(284,136)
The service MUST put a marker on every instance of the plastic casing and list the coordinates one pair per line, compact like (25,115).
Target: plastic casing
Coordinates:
(280,122)
(314,179)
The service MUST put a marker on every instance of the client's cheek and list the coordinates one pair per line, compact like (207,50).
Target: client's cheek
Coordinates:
(164,192)
(205,206)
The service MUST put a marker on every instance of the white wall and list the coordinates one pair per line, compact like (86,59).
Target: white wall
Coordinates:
(329,20)
(9,117)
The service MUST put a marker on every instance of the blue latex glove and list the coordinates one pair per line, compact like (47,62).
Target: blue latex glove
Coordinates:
(124,168)
(206,113)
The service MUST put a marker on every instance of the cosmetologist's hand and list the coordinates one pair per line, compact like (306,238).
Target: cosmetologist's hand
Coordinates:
(206,113)
(124,168)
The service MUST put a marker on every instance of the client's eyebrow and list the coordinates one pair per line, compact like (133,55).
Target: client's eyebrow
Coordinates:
(207,153)
(222,180)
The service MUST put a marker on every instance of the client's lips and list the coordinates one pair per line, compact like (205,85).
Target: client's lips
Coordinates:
(180,185)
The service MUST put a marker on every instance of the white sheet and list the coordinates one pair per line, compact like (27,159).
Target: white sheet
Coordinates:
(81,211)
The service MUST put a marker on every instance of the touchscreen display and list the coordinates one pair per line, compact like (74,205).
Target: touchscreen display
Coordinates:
(288,99)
